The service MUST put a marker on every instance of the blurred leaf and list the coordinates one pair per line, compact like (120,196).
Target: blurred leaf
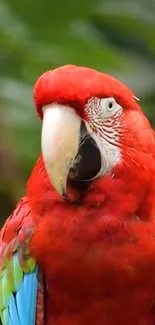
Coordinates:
(117,37)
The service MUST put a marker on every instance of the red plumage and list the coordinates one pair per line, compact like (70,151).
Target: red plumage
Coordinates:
(97,251)
(74,85)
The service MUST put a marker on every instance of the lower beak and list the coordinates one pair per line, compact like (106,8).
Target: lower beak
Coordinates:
(60,143)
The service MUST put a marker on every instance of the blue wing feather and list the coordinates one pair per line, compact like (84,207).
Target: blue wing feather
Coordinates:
(33,286)
(22,305)
(13,314)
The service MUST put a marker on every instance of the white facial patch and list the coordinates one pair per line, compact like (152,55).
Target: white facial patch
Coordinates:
(104,126)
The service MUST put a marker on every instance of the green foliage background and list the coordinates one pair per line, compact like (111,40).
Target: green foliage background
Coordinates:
(117,37)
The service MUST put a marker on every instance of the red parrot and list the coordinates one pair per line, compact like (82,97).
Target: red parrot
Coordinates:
(79,249)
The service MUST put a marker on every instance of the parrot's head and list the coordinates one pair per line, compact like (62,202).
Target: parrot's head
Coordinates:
(92,127)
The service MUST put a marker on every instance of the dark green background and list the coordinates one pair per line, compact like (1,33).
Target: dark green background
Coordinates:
(117,37)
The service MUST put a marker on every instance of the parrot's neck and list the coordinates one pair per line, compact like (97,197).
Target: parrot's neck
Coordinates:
(122,195)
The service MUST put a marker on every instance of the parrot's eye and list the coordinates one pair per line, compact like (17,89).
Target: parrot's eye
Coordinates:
(109,107)
(99,109)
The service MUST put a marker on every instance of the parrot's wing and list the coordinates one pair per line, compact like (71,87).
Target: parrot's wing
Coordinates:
(21,285)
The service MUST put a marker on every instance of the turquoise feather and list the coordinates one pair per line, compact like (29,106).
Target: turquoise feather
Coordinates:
(18,291)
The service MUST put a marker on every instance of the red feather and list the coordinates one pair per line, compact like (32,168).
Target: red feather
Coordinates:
(98,258)
(74,85)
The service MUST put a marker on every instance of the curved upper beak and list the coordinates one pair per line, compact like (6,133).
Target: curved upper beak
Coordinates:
(60,143)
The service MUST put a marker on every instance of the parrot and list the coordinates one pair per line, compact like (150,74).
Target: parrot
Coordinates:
(79,248)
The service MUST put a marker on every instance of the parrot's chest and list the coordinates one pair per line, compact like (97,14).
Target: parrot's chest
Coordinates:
(105,286)
(97,277)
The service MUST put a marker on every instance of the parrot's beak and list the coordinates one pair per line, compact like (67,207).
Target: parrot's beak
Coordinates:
(69,149)
(60,143)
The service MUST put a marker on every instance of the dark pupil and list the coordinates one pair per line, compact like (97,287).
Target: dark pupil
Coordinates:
(110,105)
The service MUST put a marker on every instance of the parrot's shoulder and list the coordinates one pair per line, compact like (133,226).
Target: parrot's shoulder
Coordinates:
(17,225)
(20,280)
(16,234)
